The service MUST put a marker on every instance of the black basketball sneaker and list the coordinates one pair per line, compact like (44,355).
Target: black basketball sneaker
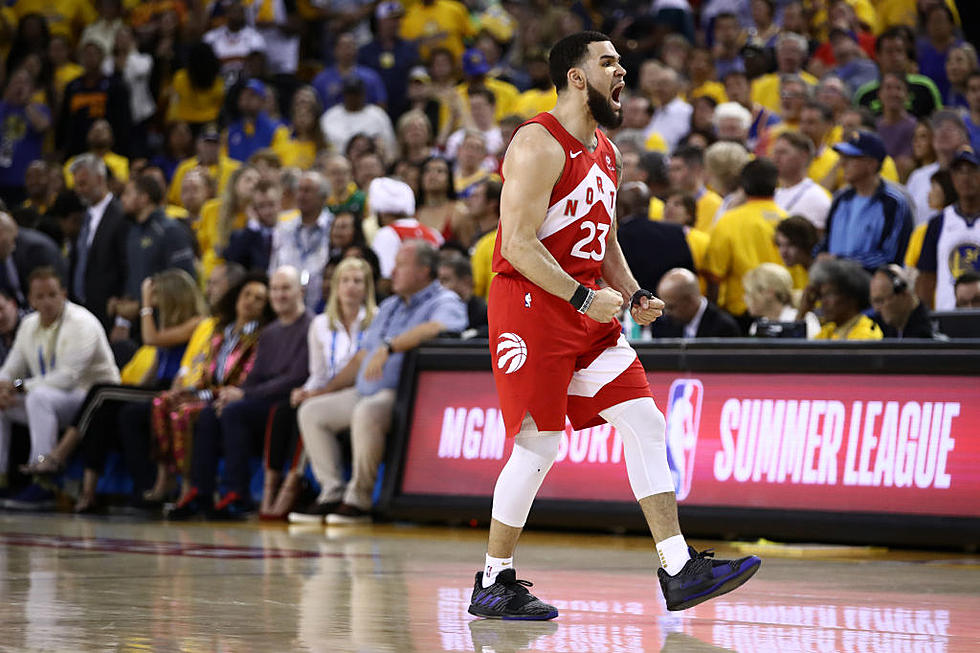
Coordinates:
(508,599)
(704,578)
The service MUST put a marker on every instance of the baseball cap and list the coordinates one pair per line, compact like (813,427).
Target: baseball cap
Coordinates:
(389,10)
(475,63)
(966,154)
(210,133)
(419,73)
(862,143)
(255,86)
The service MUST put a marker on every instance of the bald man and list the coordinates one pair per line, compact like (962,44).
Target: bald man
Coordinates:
(688,313)
(234,422)
(651,247)
(22,250)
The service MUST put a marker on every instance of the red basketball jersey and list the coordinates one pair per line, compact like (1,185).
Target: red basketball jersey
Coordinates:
(581,207)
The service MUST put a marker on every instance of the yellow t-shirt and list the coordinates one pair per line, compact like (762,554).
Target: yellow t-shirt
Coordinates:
(220,172)
(765,90)
(531,103)
(506,96)
(293,153)
(64,17)
(64,74)
(207,235)
(192,105)
(481,262)
(861,327)
(655,143)
(135,370)
(117,164)
(192,363)
(712,89)
(707,206)
(741,240)
(697,242)
(446,17)
(914,250)
(656,210)
(821,168)
(800,275)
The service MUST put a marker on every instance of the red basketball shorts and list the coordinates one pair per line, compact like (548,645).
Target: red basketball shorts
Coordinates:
(551,361)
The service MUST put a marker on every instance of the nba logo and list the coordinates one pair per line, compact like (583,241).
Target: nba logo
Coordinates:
(683,420)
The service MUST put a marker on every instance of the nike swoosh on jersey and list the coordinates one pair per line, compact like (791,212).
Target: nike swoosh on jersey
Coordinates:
(574,154)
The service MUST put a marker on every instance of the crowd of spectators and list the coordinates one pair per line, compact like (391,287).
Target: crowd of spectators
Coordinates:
(231,218)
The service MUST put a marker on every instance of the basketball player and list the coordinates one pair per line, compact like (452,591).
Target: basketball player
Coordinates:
(555,342)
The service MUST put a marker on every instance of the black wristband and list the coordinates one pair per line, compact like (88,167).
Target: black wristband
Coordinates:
(579,298)
(635,299)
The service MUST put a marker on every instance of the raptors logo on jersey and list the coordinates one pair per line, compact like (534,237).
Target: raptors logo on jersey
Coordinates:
(581,207)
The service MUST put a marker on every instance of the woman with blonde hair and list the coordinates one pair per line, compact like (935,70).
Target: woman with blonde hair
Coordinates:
(334,338)
(414,134)
(222,215)
(769,296)
(723,163)
(172,309)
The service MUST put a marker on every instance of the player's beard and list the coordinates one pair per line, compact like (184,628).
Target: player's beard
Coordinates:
(601,108)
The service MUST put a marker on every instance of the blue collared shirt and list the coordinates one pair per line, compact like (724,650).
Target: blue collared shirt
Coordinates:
(395,316)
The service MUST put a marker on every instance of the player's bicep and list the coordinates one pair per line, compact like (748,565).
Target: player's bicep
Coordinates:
(532,166)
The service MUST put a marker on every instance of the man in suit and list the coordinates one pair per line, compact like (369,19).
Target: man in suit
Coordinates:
(251,246)
(97,265)
(688,313)
(22,250)
(638,236)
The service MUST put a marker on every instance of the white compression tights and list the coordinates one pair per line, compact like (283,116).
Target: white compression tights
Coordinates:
(642,428)
(533,454)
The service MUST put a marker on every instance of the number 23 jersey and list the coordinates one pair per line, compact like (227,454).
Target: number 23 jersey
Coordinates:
(581,207)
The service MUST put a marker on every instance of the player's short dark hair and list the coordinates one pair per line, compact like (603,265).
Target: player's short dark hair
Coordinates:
(149,186)
(970,276)
(759,178)
(691,155)
(799,231)
(567,53)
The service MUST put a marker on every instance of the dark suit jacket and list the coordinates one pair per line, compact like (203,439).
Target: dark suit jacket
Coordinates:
(652,248)
(715,323)
(105,271)
(247,248)
(33,249)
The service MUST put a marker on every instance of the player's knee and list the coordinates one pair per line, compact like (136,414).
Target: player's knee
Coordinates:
(541,446)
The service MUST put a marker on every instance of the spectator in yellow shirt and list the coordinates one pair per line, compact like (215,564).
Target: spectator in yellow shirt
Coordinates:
(475,69)
(484,206)
(437,23)
(795,239)
(791,55)
(842,288)
(743,238)
(198,90)
(298,147)
(100,143)
(686,170)
(209,156)
(542,95)
(701,72)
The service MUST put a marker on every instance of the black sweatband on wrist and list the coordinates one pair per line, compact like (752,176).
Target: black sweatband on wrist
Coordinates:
(582,298)
(635,299)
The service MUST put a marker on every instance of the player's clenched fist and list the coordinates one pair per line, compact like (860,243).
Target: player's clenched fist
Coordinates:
(645,308)
(605,305)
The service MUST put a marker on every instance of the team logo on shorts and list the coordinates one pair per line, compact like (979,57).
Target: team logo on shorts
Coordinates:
(683,419)
(511,352)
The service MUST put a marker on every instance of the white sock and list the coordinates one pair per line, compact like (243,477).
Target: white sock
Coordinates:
(494,567)
(673,554)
